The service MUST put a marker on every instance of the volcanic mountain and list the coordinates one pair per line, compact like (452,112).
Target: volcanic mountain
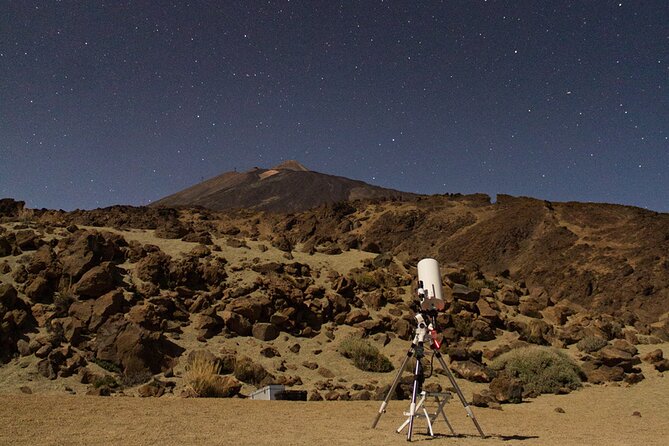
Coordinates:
(288,187)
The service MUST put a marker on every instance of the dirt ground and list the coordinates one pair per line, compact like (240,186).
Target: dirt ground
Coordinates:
(595,415)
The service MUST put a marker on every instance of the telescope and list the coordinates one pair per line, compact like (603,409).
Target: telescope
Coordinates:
(431,299)
(429,286)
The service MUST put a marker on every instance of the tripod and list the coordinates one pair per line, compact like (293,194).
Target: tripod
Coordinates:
(417,348)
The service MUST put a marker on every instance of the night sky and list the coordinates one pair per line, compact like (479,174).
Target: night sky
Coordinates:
(105,102)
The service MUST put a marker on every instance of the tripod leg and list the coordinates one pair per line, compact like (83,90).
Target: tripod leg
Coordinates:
(417,378)
(459,392)
(382,409)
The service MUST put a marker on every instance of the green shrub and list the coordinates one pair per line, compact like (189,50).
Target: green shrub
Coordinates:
(63,298)
(108,366)
(106,380)
(366,281)
(540,369)
(591,344)
(364,355)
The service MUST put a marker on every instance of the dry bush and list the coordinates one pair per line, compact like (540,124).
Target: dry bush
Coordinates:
(364,355)
(540,369)
(250,372)
(202,376)
(591,344)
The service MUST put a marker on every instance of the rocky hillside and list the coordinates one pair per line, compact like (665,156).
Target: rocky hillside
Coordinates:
(288,187)
(122,296)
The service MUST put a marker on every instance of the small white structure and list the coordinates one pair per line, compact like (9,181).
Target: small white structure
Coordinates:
(268,392)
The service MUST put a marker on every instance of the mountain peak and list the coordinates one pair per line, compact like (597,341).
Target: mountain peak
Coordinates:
(288,187)
(291,165)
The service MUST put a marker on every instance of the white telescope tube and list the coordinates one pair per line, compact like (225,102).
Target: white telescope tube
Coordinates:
(429,285)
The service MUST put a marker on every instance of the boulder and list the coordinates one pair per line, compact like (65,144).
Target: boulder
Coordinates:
(14,318)
(374,300)
(86,249)
(661,365)
(472,371)
(653,356)
(508,296)
(482,331)
(49,366)
(39,290)
(72,329)
(97,281)
(236,323)
(462,292)
(82,310)
(154,388)
(28,240)
(598,374)
(356,315)
(264,331)
(557,315)
(252,308)
(207,324)
(535,331)
(486,311)
(6,246)
(344,286)
(611,356)
(507,389)
(154,268)
(8,297)
(104,306)
(137,351)
(203,238)
(42,259)
(485,399)
(531,307)
(171,229)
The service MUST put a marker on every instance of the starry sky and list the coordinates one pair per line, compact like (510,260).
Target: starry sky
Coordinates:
(124,102)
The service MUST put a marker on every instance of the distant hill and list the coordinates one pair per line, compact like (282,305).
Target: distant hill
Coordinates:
(288,187)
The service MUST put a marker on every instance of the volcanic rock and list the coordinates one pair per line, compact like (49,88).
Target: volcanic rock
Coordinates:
(137,351)
(506,389)
(97,281)
(472,371)
(39,290)
(104,306)
(154,268)
(264,331)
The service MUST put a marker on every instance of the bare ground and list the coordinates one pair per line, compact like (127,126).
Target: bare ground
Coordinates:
(595,415)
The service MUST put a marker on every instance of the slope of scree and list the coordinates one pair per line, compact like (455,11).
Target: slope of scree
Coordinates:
(122,296)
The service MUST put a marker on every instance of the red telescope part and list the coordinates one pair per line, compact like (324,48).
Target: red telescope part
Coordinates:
(435,339)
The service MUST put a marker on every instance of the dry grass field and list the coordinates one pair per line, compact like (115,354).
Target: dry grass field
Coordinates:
(595,415)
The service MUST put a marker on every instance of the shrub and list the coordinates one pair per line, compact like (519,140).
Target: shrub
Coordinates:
(540,369)
(106,380)
(364,355)
(250,372)
(108,366)
(63,298)
(202,376)
(591,344)
(135,373)
(366,281)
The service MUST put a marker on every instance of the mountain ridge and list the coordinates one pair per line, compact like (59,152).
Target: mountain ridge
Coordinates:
(287,187)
